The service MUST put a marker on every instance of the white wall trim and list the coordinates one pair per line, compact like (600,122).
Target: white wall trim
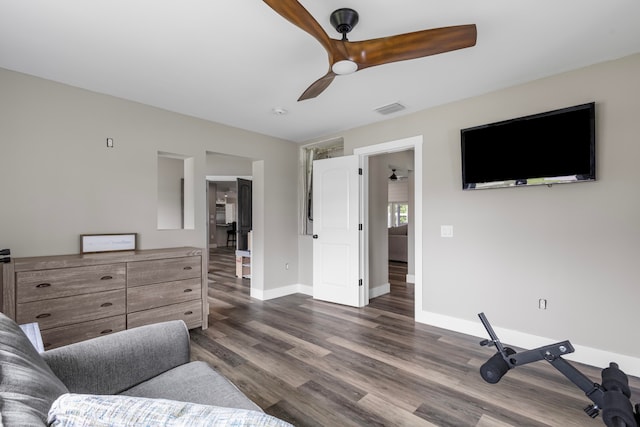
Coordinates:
(379,290)
(583,354)
(305,289)
(282,291)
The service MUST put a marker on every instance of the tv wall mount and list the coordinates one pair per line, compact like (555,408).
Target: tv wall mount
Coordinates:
(612,397)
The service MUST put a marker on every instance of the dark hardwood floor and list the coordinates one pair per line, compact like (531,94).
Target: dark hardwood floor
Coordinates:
(401,298)
(319,364)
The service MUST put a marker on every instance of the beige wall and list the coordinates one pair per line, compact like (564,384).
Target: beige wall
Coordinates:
(222,165)
(575,245)
(60,180)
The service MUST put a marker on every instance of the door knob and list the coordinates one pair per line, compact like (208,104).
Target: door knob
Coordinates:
(315,236)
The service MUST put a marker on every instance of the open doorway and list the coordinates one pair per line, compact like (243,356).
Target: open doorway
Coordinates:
(391,228)
(229,201)
(222,199)
(229,213)
(374,242)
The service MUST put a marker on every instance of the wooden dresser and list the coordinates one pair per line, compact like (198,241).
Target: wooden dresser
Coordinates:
(77,297)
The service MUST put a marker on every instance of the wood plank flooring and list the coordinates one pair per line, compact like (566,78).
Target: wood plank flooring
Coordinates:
(319,364)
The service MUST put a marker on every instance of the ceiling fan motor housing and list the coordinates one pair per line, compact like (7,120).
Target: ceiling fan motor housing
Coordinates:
(343,20)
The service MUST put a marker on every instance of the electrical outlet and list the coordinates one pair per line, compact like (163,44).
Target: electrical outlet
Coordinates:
(542,304)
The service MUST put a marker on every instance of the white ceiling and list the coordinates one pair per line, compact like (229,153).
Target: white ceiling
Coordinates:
(234,61)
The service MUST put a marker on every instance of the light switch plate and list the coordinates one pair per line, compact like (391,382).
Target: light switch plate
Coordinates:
(446,231)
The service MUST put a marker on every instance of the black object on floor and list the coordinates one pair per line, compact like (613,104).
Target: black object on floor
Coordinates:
(612,397)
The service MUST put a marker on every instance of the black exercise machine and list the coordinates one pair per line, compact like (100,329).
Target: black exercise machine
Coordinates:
(612,397)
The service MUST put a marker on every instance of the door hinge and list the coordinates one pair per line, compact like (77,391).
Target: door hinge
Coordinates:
(359,171)
(360,227)
(360,282)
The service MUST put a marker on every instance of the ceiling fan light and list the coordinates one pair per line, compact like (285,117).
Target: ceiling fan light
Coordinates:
(344,67)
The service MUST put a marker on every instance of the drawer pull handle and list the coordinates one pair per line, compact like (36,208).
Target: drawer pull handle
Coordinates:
(188,312)
(106,278)
(106,304)
(188,290)
(43,315)
(43,285)
(106,331)
(187,268)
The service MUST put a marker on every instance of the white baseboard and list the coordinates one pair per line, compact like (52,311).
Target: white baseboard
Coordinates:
(307,290)
(583,354)
(410,278)
(379,290)
(281,292)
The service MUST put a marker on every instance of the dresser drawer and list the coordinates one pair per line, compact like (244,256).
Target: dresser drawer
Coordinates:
(161,294)
(64,335)
(45,284)
(165,270)
(69,310)
(190,312)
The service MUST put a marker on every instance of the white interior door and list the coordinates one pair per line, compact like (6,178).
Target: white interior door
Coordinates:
(336,256)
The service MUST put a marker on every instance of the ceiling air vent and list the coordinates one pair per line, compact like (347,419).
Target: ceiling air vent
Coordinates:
(390,108)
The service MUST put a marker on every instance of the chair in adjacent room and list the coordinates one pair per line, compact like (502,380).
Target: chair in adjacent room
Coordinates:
(231,234)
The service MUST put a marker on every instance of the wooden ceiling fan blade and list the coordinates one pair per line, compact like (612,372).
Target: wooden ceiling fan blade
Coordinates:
(413,45)
(295,13)
(318,86)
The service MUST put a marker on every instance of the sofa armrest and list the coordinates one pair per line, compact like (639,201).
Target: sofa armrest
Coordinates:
(116,362)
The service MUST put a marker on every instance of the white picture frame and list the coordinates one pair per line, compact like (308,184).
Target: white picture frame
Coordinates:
(93,243)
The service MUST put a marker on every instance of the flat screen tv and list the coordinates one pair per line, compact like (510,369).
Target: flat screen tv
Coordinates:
(554,147)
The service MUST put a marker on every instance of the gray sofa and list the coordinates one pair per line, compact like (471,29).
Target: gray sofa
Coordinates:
(398,243)
(150,362)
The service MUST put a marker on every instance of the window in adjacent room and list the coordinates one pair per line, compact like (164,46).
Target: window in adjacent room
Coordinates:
(397,214)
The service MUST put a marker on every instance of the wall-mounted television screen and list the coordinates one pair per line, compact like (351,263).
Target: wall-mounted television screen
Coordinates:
(542,149)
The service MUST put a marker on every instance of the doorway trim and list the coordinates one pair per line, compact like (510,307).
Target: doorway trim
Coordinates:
(363,153)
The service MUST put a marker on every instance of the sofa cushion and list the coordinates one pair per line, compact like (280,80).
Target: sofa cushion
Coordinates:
(194,382)
(27,386)
(119,411)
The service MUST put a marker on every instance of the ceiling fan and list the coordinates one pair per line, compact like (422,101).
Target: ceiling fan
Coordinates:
(346,57)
